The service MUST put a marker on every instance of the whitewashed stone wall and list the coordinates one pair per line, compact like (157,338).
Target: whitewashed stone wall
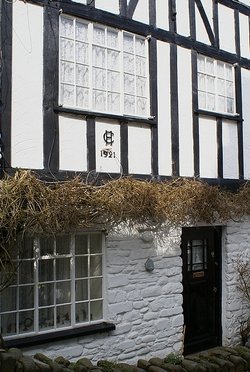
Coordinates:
(236,242)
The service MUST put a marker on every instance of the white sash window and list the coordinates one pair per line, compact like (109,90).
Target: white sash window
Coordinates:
(58,285)
(103,69)
(216,85)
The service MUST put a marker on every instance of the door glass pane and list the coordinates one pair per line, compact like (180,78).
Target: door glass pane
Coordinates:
(63,244)
(81,267)
(26,272)
(46,246)
(8,299)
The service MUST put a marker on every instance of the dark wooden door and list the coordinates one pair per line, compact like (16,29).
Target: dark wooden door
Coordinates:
(201,253)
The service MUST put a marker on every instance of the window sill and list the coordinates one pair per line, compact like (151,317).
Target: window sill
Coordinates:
(122,118)
(58,336)
(235,117)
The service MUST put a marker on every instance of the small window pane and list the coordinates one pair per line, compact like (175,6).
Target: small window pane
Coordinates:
(229,89)
(46,246)
(63,292)
(81,290)
(99,100)
(221,87)
(26,297)
(128,43)
(8,324)
(46,270)
(140,46)
(82,97)
(210,84)
(81,244)
(63,244)
(112,39)
(82,313)
(98,56)
(27,249)
(113,81)
(129,84)
(81,267)
(129,104)
(46,294)
(141,86)
(67,72)
(141,106)
(221,104)
(113,60)
(210,66)
(8,299)
(26,272)
(95,288)
(63,316)
(99,78)
(230,106)
(229,72)
(62,268)
(113,102)
(82,53)
(95,243)
(211,102)
(99,36)
(46,319)
(201,63)
(220,69)
(96,310)
(128,63)
(95,265)
(81,31)
(67,28)
(67,94)
(141,66)
(26,321)
(202,100)
(202,82)
(67,49)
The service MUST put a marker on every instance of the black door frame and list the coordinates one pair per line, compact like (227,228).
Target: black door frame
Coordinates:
(189,232)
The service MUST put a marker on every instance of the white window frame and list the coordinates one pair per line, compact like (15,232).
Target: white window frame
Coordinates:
(37,258)
(120,49)
(227,80)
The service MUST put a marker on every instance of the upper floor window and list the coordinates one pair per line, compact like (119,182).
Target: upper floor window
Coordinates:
(103,69)
(58,285)
(216,85)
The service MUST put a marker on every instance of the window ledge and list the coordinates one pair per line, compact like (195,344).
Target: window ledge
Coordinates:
(122,118)
(58,336)
(235,117)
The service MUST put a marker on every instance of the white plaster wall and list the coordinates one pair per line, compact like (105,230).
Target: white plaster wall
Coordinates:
(208,147)
(139,149)
(201,33)
(245,76)
(164,114)
(145,306)
(182,17)
(162,14)
(226,28)
(108,164)
(244,36)
(27,86)
(111,6)
(72,143)
(236,246)
(141,12)
(230,149)
(185,112)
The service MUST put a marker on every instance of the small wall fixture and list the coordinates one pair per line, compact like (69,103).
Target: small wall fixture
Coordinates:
(149,265)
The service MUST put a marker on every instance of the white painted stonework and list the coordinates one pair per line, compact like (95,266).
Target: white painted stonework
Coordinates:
(146,307)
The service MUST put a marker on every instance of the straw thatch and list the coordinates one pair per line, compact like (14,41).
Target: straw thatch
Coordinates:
(29,205)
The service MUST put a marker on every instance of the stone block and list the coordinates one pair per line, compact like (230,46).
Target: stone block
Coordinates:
(7,362)
(143,364)
(28,364)
(155,369)
(192,366)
